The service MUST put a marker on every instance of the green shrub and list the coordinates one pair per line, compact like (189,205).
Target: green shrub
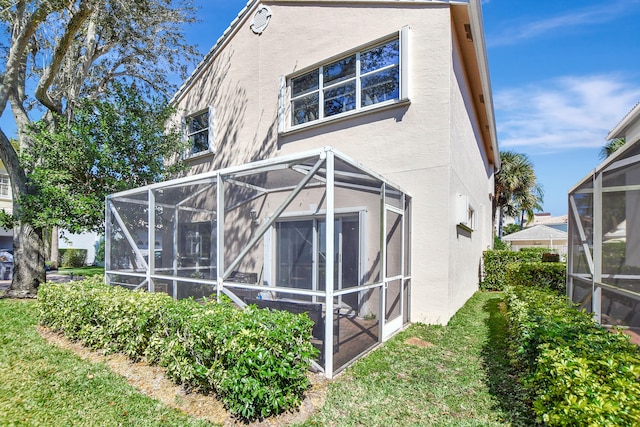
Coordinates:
(71,257)
(254,360)
(547,275)
(500,245)
(573,371)
(495,265)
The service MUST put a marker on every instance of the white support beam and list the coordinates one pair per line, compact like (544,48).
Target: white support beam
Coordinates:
(129,238)
(329,262)
(583,237)
(265,227)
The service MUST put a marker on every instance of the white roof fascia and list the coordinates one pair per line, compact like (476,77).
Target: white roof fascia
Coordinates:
(219,44)
(479,43)
(618,131)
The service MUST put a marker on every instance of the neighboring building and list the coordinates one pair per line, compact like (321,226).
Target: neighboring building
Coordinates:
(375,114)
(78,241)
(6,204)
(538,236)
(545,218)
(604,231)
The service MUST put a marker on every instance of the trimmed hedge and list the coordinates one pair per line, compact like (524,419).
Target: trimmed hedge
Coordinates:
(71,257)
(574,372)
(254,360)
(547,275)
(495,265)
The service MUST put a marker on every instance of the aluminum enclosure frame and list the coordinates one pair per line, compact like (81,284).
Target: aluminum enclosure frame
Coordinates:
(324,171)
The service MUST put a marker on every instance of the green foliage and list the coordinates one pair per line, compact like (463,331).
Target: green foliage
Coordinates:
(71,257)
(45,385)
(573,371)
(510,229)
(517,192)
(254,360)
(500,245)
(110,145)
(495,265)
(547,275)
(100,250)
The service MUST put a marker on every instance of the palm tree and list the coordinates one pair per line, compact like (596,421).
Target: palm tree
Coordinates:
(516,191)
(611,147)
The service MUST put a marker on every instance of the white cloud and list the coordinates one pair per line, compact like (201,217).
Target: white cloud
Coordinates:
(525,28)
(563,113)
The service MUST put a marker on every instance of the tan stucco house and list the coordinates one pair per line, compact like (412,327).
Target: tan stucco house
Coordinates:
(371,121)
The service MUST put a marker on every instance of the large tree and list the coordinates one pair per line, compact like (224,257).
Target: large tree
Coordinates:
(59,52)
(517,192)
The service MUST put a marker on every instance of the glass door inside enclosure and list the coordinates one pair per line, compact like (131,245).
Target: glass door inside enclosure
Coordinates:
(301,254)
(393,264)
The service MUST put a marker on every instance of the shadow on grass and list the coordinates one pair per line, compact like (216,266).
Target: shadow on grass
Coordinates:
(501,377)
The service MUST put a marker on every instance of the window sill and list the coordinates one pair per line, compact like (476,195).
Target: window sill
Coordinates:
(200,155)
(346,116)
(465,227)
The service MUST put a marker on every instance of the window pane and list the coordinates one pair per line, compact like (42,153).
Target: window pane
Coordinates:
(198,123)
(381,56)
(340,70)
(381,86)
(305,83)
(305,109)
(340,99)
(199,142)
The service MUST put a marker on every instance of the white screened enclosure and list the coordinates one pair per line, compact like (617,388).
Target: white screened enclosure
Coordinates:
(268,233)
(604,240)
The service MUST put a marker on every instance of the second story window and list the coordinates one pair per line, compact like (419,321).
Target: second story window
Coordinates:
(197,133)
(364,79)
(5,186)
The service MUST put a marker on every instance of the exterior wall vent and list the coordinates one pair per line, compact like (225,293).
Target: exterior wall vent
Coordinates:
(261,19)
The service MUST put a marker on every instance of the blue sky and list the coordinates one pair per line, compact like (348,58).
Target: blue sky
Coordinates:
(563,74)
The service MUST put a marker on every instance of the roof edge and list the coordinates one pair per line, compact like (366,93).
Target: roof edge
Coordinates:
(617,132)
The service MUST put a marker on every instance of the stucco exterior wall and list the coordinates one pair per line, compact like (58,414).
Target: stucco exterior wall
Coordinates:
(428,146)
(470,177)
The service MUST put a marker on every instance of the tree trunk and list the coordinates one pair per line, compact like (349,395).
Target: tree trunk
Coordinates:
(54,248)
(28,257)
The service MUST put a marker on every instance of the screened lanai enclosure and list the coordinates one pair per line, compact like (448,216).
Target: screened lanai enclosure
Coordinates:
(268,233)
(604,241)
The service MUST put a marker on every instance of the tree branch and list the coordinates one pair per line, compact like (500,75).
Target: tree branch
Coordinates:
(75,23)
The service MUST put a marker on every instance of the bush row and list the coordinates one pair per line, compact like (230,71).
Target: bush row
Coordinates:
(495,265)
(70,257)
(573,371)
(256,361)
(546,275)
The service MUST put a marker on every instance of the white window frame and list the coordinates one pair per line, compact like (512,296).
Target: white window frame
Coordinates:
(209,129)
(5,183)
(285,110)
(466,214)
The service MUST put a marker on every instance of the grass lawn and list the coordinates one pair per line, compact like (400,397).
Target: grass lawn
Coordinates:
(457,377)
(41,385)
(460,377)
(82,271)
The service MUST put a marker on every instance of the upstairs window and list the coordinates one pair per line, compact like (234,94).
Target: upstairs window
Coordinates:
(367,78)
(5,186)
(199,132)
